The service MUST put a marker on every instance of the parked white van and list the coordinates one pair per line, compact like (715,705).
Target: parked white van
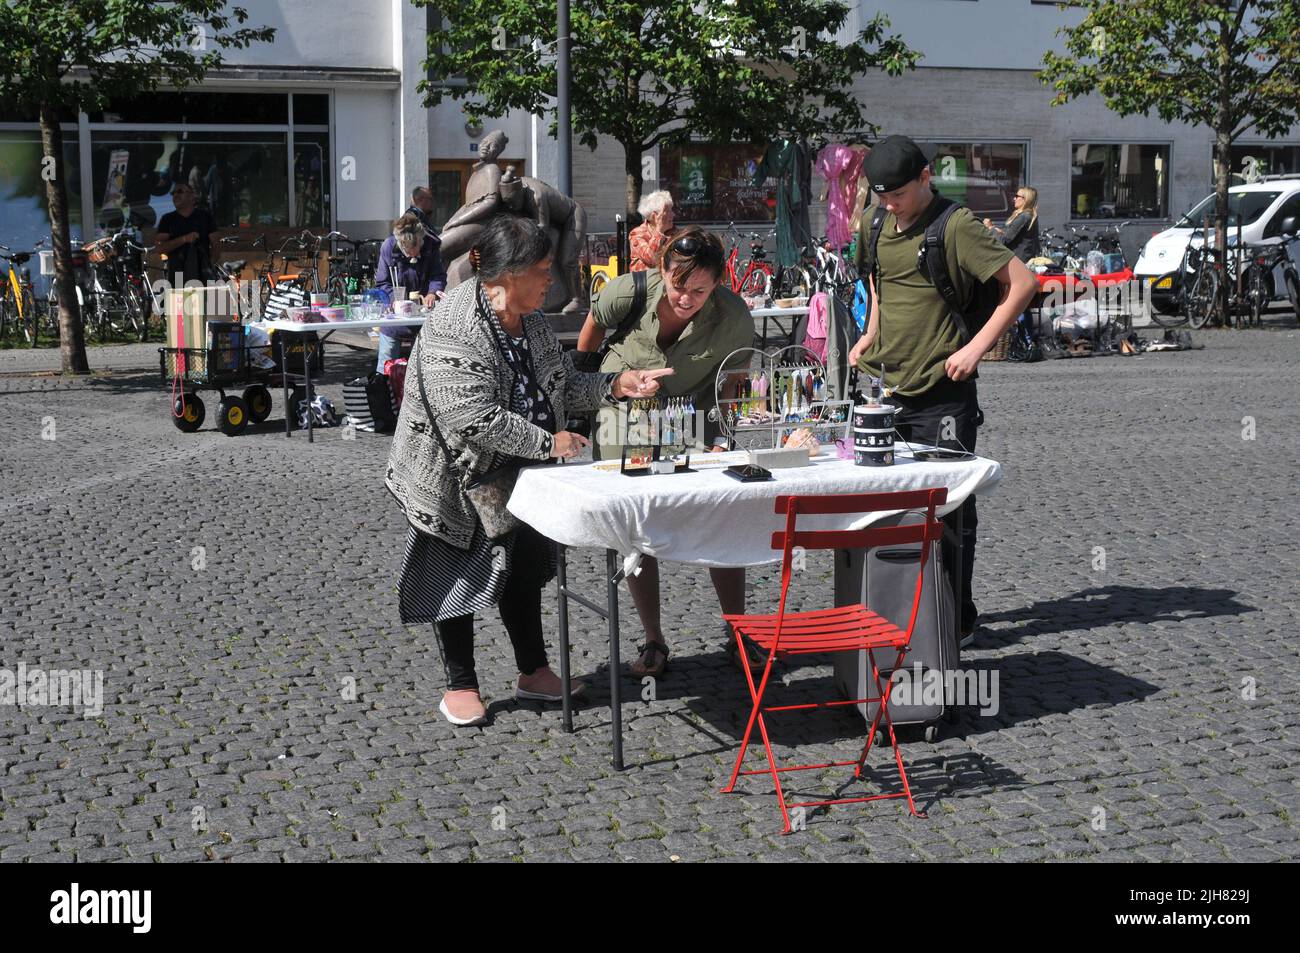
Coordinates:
(1260,207)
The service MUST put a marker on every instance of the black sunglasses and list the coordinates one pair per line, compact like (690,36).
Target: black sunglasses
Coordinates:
(691,247)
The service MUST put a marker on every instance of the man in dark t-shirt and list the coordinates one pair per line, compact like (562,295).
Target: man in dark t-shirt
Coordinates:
(188,237)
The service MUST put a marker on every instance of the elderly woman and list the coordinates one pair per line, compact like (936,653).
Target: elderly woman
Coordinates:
(689,322)
(486,387)
(411,254)
(647,240)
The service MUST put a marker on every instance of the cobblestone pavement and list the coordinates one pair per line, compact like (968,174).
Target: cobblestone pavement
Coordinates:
(1148,709)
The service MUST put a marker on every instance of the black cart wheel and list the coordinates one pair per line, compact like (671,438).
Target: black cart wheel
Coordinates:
(931,733)
(188,412)
(232,415)
(258,399)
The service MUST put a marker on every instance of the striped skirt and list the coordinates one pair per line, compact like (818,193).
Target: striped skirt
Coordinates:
(440,581)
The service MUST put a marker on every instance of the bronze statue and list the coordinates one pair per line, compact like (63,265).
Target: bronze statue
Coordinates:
(492,192)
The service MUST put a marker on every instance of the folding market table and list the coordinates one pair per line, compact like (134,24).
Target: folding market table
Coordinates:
(325,329)
(704,517)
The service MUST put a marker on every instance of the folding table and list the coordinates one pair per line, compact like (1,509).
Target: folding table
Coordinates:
(324,329)
(704,518)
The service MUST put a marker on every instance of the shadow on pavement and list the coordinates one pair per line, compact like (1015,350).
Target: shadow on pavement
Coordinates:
(1110,605)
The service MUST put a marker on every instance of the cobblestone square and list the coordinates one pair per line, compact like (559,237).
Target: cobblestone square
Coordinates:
(261,701)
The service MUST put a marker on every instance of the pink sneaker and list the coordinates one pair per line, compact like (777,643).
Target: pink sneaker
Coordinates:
(463,708)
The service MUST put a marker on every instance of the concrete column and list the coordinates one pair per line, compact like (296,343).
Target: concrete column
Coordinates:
(410,43)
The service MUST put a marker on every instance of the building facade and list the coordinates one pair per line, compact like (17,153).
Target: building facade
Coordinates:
(323,128)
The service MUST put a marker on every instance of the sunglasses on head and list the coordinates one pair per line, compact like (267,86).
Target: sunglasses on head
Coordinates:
(691,247)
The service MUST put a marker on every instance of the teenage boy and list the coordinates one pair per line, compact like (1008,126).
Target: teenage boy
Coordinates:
(929,363)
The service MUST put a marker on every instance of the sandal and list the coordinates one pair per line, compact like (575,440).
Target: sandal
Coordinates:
(757,657)
(647,654)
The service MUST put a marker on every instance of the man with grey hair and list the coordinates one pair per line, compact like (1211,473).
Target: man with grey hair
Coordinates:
(648,239)
(408,259)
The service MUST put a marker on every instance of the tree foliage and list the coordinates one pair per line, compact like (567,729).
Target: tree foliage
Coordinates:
(1231,65)
(59,57)
(661,71)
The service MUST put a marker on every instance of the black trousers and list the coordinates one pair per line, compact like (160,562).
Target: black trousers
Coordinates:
(521,611)
(948,415)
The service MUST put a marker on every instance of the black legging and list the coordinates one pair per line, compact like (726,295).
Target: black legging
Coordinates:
(521,611)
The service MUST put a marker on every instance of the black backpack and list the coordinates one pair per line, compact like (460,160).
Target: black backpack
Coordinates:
(932,262)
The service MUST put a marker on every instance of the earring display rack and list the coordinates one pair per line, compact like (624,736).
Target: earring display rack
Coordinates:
(781,391)
(657,431)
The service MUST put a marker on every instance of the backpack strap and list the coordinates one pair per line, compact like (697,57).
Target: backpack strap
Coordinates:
(633,314)
(935,261)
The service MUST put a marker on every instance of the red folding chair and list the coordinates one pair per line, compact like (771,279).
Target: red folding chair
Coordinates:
(852,628)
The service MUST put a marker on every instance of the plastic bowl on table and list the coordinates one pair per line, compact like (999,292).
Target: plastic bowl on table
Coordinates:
(301,315)
(333,314)
(405,309)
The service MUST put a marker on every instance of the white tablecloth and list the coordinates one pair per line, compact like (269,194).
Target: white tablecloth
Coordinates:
(708,518)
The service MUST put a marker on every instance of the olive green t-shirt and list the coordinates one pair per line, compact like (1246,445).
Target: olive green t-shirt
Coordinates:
(720,327)
(917,334)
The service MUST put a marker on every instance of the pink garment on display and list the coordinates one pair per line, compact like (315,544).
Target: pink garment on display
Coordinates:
(841,167)
(818,328)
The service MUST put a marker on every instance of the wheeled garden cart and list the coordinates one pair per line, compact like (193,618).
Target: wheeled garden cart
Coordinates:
(189,370)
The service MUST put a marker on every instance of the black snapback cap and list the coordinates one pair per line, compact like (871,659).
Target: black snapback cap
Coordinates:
(894,162)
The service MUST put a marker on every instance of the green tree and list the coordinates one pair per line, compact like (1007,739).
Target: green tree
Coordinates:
(655,72)
(58,57)
(1231,65)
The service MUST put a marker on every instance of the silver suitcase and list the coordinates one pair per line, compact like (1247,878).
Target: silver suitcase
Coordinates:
(884,579)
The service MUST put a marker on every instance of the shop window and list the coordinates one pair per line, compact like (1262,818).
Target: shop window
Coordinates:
(24,208)
(239,177)
(983,176)
(1249,163)
(715,183)
(1118,181)
(311,109)
(175,108)
(311,179)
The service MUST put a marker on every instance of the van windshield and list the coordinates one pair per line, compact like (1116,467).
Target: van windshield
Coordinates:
(1244,206)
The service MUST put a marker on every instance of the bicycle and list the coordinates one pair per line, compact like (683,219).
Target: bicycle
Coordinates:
(351,273)
(119,295)
(19,302)
(831,271)
(1264,260)
(756,279)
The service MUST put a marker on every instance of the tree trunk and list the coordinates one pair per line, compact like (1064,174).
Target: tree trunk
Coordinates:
(1223,124)
(72,341)
(632,166)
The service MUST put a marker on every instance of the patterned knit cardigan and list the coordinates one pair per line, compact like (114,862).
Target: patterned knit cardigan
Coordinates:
(469,385)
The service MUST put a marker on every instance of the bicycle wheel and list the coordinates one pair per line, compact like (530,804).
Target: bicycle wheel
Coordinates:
(1257,296)
(338,290)
(1202,298)
(757,284)
(1293,292)
(137,312)
(31,320)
